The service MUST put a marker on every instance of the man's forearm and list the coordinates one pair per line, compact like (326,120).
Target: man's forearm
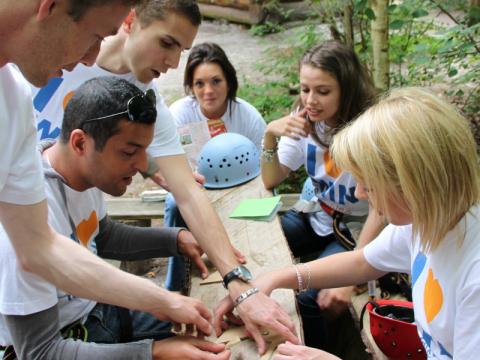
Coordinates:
(37,336)
(124,242)
(198,213)
(70,266)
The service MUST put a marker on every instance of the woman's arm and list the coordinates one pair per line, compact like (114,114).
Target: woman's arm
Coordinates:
(293,126)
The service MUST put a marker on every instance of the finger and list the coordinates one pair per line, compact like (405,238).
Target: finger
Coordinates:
(234,319)
(286,332)
(302,113)
(257,336)
(221,309)
(205,345)
(201,266)
(203,320)
(240,257)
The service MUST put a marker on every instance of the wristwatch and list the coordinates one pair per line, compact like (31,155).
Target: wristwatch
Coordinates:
(240,273)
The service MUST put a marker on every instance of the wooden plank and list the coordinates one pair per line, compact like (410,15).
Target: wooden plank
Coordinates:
(134,209)
(265,247)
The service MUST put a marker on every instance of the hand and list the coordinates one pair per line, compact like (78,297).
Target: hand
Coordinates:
(258,312)
(199,178)
(188,348)
(158,179)
(335,301)
(293,126)
(189,247)
(180,309)
(289,351)
(240,257)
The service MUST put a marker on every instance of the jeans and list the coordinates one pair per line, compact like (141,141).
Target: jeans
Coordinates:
(174,280)
(104,325)
(308,245)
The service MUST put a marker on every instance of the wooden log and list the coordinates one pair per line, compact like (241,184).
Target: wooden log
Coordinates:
(252,16)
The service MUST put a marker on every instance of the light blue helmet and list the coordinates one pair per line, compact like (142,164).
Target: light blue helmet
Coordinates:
(228,160)
(308,190)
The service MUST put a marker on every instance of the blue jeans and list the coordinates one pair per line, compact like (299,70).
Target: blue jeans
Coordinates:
(175,278)
(104,325)
(308,245)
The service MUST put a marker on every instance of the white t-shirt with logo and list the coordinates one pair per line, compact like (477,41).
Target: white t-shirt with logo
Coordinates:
(85,209)
(445,284)
(240,117)
(50,101)
(336,187)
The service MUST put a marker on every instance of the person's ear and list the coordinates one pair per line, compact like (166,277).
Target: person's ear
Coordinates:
(78,142)
(45,9)
(128,22)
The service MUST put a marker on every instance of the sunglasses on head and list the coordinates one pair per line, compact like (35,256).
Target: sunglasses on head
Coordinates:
(135,107)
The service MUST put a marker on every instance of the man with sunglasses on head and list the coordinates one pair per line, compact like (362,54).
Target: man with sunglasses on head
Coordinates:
(149,43)
(43,38)
(107,127)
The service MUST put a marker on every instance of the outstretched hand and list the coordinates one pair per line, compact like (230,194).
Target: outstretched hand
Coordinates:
(188,348)
(258,312)
(189,247)
(185,310)
(289,351)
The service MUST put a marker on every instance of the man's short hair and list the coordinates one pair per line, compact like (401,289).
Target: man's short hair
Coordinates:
(78,8)
(101,97)
(152,10)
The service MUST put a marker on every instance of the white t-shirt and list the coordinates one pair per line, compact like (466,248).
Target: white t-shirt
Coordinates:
(445,284)
(27,294)
(21,182)
(337,188)
(240,117)
(50,101)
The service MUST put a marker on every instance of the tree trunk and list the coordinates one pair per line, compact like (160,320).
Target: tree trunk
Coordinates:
(381,64)
(348,23)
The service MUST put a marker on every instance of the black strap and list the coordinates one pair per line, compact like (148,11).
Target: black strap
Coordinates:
(126,331)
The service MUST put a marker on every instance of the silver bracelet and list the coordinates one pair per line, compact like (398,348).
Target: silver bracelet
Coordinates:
(299,279)
(245,295)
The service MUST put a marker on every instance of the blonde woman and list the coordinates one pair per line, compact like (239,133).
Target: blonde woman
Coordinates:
(415,160)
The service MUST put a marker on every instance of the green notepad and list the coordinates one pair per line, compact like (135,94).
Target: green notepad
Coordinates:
(263,209)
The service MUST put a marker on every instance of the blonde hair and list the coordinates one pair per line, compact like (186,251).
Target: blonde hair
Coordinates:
(415,147)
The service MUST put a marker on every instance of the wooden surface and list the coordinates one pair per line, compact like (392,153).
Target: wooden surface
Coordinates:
(136,209)
(264,246)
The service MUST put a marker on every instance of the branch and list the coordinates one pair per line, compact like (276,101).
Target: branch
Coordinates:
(445,11)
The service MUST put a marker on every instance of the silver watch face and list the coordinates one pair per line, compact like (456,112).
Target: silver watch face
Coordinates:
(244,274)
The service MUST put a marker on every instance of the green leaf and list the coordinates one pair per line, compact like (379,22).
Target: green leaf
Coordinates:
(396,24)
(419,13)
(452,72)
(370,14)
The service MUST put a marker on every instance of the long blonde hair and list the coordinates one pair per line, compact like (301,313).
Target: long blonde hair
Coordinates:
(414,146)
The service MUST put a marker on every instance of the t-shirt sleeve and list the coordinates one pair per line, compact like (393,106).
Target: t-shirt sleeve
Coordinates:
(290,152)
(21,175)
(390,251)
(256,124)
(166,141)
